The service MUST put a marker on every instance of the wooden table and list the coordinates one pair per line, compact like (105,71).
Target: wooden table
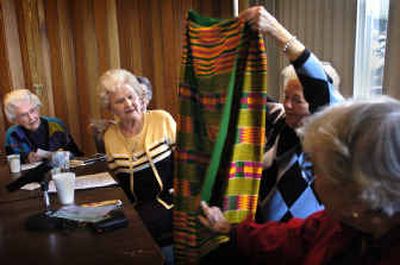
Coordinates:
(130,245)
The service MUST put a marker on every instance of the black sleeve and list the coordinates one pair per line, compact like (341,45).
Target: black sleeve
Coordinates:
(314,80)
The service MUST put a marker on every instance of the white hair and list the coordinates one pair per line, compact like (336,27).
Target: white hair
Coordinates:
(358,143)
(113,79)
(15,97)
(148,92)
(288,73)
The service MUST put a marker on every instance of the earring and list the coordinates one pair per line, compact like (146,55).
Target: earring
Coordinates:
(355,215)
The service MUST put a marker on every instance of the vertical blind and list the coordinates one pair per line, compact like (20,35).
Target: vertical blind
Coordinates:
(327,27)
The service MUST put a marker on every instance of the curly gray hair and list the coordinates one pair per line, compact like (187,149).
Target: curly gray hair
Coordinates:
(358,143)
(113,79)
(14,97)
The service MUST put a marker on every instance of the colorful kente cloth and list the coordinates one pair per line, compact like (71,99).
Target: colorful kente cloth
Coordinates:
(222,98)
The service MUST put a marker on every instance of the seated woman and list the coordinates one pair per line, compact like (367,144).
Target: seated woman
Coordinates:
(355,148)
(286,188)
(33,135)
(99,126)
(140,152)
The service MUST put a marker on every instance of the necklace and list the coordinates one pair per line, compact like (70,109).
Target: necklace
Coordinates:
(131,145)
(133,140)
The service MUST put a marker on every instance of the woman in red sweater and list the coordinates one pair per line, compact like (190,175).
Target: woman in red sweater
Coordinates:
(355,148)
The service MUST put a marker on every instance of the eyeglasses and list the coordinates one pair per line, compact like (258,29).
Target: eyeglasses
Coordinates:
(25,116)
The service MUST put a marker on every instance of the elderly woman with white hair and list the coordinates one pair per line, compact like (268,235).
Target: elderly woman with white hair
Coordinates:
(286,188)
(355,148)
(34,136)
(140,146)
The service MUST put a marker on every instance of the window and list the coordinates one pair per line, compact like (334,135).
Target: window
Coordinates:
(371,33)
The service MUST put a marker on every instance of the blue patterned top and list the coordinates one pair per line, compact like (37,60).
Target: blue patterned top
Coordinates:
(51,135)
(286,188)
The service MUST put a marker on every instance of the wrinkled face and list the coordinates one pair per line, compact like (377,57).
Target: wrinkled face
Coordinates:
(27,115)
(126,104)
(296,107)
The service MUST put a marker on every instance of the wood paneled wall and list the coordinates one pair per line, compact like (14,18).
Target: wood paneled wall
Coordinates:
(59,48)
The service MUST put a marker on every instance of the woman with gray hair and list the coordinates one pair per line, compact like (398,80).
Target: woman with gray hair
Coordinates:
(140,146)
(34,136)
(286,188)
(355,148)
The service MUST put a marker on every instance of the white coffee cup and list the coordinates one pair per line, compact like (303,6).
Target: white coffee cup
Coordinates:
(14,163)
(65,185)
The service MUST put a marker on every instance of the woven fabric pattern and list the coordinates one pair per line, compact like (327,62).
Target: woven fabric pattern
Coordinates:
(221,128)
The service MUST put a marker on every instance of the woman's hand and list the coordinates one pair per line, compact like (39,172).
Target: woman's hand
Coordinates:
(214,219)
(261,20)
(33,157)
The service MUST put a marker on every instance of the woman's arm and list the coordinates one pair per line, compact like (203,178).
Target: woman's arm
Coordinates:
(317,85)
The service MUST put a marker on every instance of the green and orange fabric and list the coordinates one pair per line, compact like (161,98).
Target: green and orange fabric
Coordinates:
(221,128)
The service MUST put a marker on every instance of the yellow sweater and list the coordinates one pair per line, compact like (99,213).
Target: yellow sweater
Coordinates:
(145,158)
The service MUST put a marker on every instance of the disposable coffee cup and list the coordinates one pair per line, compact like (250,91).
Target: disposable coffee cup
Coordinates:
(14,162)
(65,186)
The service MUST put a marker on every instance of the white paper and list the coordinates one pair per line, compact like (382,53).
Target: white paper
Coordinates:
(43,153)
(84,214)
(30,166)
(102,179)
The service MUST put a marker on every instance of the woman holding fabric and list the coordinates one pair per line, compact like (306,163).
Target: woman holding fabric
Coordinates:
(355,148)
(140,152)
(287,184)
(286,189)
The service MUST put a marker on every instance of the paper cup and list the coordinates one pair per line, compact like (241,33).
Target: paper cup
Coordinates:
(14,162)
(65,186)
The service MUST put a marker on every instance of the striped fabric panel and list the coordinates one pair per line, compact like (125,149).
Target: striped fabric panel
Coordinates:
(216,52)
(245,169)
(186,156)
(253,100)
(249,135)
(240,203)
(210,101)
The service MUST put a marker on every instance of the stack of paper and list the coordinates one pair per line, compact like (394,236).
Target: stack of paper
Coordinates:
(87,214)
(102,179)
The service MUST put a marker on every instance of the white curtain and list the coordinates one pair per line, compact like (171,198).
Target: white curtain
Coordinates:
(326,27)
